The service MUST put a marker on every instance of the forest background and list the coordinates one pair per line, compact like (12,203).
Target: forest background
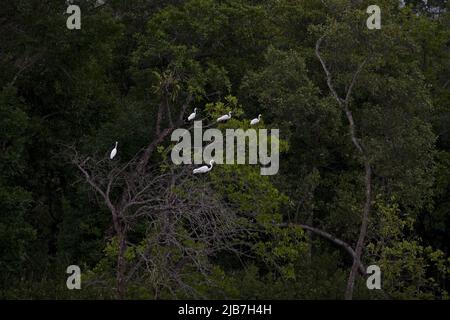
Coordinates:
(364,166)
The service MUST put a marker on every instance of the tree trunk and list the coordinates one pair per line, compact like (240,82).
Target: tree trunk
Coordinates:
(121,266)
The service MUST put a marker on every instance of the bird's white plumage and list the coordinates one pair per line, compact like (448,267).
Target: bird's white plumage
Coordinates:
(204,169)
(225,117)
(255,121)
(113,152)
(192,115)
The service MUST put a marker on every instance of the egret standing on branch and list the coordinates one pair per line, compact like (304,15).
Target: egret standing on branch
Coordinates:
(204,169)
(255,121)
(192,115)
(113,152)
(224,117)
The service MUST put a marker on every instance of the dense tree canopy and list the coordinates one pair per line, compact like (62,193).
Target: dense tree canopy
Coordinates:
(364,177)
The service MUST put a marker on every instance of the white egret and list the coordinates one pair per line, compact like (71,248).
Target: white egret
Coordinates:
(255,121)
(204,169)
(113,152)
(192,115)
(224,117)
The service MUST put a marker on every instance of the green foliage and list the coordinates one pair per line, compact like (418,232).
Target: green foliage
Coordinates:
(410,270)
(104,83)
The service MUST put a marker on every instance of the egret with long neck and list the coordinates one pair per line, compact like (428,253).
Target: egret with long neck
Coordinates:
(192,115)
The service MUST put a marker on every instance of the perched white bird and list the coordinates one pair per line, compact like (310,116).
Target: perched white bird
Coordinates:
(256,120)
(113,152)
(224,117)
(192,115)
(204,169)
